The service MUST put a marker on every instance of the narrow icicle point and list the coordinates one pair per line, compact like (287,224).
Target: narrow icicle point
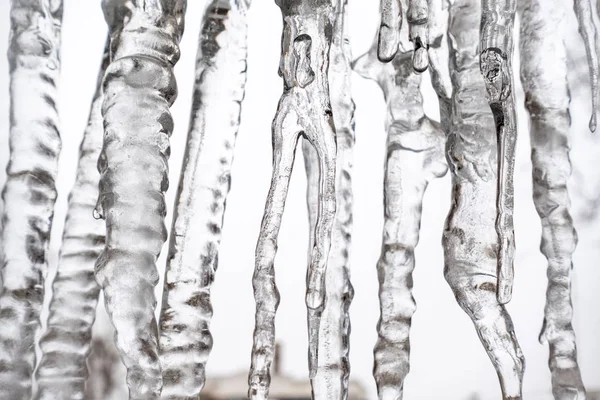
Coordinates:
(185,339)
(497,22)
(332,365)
(415,156)
(589,34)
(438,59)
(304,109)
(470,241)
(30,191)
(389,29)
(66,343)
(547,100)
(418,18)
(139,87)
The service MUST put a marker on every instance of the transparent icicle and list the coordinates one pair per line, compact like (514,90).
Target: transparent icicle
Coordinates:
(415,156)
(304,110)
(30,191)
(332,364)
(547,100)
(139,87)
(470,241)
(185,339)
(66,343)
(497,22)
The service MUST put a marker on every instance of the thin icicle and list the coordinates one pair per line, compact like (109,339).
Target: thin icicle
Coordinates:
(497,22)
(185,339)
(589,34)
(332,364)
(470,241)
(66,343)
(415,156)
(30,192)
(304,109)
(139,87)
(547,100)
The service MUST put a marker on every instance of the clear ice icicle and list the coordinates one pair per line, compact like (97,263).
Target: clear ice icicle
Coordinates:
(304,110)
(30,192)
(332,364)
(185,339)
(547,100)
(65,345)
(497,22)
(415,156)
(470,241)
(139,87)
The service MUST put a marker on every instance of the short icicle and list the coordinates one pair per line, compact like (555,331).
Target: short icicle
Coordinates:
(139,87)
(30,190)
(185,339)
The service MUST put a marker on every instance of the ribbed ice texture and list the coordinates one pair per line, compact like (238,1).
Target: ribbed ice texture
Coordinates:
(139,87)
(470,241)
(415,156)
(497,21)
(185,339)
(304,109)
(30,192)
(332,364)
(66,343)
(547,100)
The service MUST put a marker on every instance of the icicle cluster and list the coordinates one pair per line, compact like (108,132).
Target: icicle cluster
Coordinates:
(139,87)
(185,339)
(547,100)
(304,109)
(29,193)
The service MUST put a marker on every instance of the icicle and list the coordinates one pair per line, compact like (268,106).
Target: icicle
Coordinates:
(470,241)
(332,364)
(389,29)
(415,156)
(66,343)
(29,193)
(304,109)
(497,21)
(185,339)
(547,100)
(417,17)
(589,34)
(139,87)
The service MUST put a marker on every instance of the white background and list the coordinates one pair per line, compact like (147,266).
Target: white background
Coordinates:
(447,360)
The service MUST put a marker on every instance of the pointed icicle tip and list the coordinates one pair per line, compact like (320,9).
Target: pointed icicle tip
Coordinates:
(593,122)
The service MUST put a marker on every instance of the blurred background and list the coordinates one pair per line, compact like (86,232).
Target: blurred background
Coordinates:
(447,359)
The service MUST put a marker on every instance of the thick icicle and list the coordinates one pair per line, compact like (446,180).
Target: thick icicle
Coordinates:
(185,339)
(497,22)
(415,156)
(547,100)
(66,343)
(418,18)
(30,192)
(332,364)
(389,29)
(589,34)
(304,109)
(470,241)
(139,87)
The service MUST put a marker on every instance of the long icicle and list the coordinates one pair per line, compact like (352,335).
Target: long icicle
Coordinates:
(139,87)
(497,22)
(589,34)
(333,365)
(66,343)
(185,339)
(415,156)
(30,190)
(304,109)
(547,100)
(470,241)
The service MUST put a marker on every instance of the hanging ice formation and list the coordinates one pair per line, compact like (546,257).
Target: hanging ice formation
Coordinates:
(304,109)
(547,100)
(470,241)
(185,339)
(30,192)
(139,87)
(332,366)
(65,345)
